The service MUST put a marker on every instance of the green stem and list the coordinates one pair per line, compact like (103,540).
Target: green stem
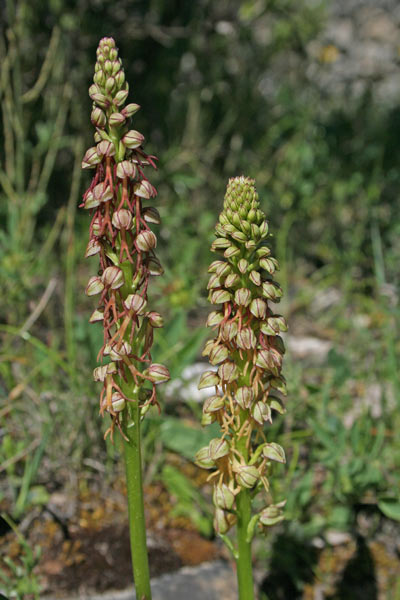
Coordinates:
(137,525)
(244,565)
(243,562)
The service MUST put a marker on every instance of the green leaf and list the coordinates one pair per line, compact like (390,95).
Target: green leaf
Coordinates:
(390,508)
(185,439)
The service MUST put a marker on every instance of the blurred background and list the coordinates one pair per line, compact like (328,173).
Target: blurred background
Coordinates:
(302,95)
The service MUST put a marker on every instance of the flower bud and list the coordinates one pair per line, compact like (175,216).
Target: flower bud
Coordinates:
(214,282)
(218,354)
(105,148)
(228,372)
(97,315)
(202,458)
(122,95)
(135,303)
(246,339)
(207,419)
(223,268)
(111,84)
(271,290)
(94,286)
(100,100)
(151,215)
(96,226)
(231,251)
(261,412)
(243,265)
(122,219)
(144,189)
(92,248)
(246,475)
(91,158)
(255,278)
(113,277)
(220,244)
(209,345)
(130,110)
(101,194)
(223,497)
(154,266)
(229,330)
(214,318)
(133,139)
(91,201)
(232,280)
(274,452)
(118,350)
(239,236)
(243,297)
(218,448)
(223,521)
(155,319)
(158,373)
(98,118)
(213,404)
(271,515)
(146,240)
(244,396)
(118,402)
(220,296)
(208,379)
(258,308)
(116,119)
(99,373)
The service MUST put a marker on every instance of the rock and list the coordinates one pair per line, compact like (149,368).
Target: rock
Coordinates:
(211,581)
(308,347)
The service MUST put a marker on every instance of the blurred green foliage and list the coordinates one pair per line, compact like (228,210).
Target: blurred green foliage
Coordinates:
(224,91)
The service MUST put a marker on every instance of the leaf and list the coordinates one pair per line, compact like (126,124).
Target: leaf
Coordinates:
(390,508)
(184,439)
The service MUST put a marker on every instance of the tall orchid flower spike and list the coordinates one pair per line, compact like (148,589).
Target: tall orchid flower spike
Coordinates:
(121,236)
(247,351)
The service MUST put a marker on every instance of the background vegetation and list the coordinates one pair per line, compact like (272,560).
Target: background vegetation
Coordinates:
(225,90)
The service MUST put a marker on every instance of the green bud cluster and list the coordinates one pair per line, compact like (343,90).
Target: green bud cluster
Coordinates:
(120,235)
(247,351)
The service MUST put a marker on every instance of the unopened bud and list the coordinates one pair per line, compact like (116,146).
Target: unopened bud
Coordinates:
(271,515)
(122,95)
(218,448)
(261,412)
(246,475)
(243,265)
(246,339)
(213,404)
(258,308)
(223,521)
(126,169)
(244,396)
(96,316)
(214,318)
(158,373)
(122,219)
(98,118)
(91,158)
(220,296)
(101,194)
(208,379)
(113,277)
(203,459)
(223,497)
(243,297)
(144,189)
(232,280)
(135,303)
(218,353)
(229,330)
(116,119)
(151,215)
(118,350)
(105,148)
(94,286)
(228,372)
(146,240)
(118,402)
(255,278)
(155,319)
(133,139)
(274,452)
(130,110)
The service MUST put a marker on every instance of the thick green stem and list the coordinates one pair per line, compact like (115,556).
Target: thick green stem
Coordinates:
(137,525)
(243,511)
(243,562)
